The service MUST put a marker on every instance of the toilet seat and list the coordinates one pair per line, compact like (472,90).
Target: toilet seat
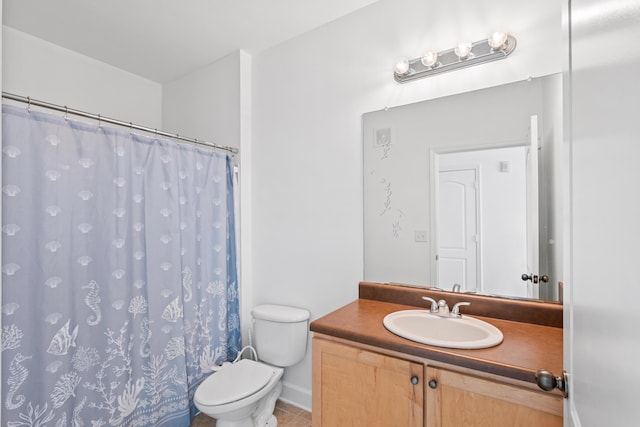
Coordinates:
(234,382)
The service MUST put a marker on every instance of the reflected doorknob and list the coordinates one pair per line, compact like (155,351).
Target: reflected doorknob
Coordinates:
(535,278)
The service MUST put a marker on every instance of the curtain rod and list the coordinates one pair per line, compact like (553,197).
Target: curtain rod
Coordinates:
(66,110)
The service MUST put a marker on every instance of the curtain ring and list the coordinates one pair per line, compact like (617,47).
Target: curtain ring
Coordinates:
(66,112)
(28,104)
(131,128)
(99,121)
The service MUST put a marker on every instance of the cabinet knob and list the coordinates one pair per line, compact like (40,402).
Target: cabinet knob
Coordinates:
(414,380)
(433,384)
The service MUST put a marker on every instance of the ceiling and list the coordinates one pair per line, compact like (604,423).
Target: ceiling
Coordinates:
(165,39)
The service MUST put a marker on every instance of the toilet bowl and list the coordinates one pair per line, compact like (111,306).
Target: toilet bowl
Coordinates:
(244,393)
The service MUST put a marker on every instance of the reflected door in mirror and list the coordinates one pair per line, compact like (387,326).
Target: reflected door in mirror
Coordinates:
(458,216)
(496,188)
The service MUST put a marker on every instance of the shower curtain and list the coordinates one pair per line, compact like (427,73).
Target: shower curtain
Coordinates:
(119,288)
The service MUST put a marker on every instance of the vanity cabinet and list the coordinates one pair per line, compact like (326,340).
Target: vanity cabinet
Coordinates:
(456,399)
(353,386)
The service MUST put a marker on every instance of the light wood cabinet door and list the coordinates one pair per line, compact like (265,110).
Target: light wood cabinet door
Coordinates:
(355,387)
(465,400)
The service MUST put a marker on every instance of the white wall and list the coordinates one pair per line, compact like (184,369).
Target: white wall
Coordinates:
(44,71)
(309,95)
(604,342)
(206,102)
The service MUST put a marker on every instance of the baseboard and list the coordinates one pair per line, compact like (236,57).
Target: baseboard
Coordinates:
(296,396)
(574,419)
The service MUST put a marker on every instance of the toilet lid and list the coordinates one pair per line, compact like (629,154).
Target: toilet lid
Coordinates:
(234,382)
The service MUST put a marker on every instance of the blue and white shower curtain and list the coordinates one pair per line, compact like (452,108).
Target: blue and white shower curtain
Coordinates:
(119,287)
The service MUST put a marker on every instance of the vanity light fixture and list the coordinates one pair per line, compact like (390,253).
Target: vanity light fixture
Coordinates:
(497,46)
(402,66)
(497,40)
(463,50)
(430,59)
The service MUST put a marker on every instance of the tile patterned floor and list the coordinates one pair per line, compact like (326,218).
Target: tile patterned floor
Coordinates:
(287,415)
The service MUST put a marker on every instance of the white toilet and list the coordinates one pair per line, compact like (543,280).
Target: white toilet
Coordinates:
(244,393)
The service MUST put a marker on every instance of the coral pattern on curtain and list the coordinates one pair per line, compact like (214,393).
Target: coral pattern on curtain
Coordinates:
(119,273)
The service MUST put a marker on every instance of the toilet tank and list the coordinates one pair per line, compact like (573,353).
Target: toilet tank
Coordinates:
(280,334)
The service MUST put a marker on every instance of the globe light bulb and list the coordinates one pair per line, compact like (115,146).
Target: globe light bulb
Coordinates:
(402,67)
(497,40)
(462,50)
(429,59)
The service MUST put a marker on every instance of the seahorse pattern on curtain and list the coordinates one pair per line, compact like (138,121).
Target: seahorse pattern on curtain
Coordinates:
(119,274)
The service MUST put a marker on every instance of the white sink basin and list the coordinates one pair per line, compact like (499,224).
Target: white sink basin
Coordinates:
(426,328)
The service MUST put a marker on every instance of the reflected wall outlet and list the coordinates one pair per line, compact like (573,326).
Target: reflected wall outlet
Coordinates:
(420,235)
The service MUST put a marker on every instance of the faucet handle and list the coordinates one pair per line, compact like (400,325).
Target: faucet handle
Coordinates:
(434,304)
(455,312)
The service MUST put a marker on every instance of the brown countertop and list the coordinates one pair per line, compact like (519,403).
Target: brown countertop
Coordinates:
(526,347)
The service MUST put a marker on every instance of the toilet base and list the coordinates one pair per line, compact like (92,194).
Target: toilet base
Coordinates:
(263,416)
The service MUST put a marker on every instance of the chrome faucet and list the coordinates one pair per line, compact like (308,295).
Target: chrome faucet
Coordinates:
(441,308)
(456,287)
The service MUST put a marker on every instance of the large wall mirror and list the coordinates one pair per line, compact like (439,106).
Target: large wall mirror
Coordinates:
(463,192)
